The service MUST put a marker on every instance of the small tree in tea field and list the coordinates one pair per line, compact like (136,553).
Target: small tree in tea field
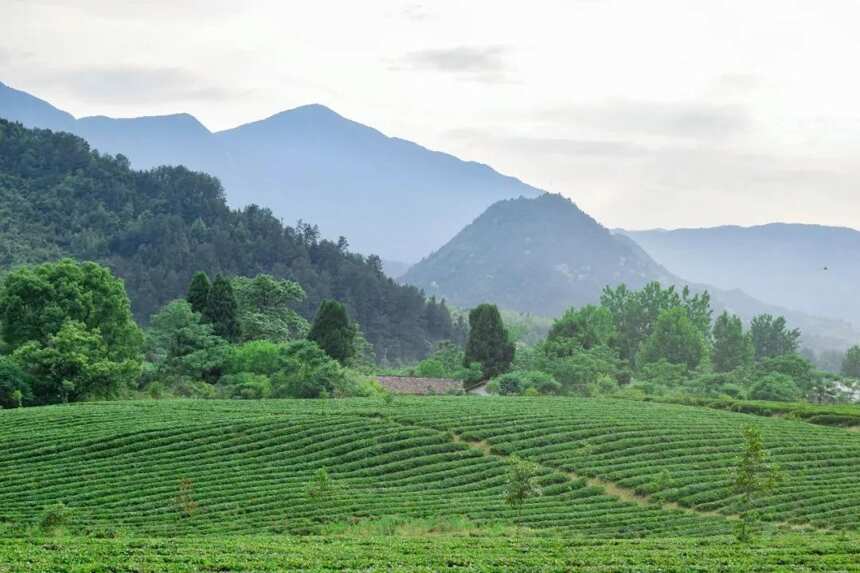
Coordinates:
(185,501)
(321,487)
(521,482)
(754,476)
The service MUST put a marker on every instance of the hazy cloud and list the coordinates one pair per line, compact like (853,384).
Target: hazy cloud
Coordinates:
(675,119)
(135,84)
(543,146)
(415,12)
(481,63)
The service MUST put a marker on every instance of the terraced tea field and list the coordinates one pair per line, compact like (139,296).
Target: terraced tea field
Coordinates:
(210,474)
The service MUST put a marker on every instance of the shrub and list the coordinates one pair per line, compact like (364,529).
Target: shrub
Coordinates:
(775,387)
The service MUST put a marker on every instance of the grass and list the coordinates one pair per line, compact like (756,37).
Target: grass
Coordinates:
(174,485)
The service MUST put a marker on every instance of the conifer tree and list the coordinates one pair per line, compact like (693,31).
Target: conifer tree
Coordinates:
(198,292)
(222,310)
(333,331)
(488,343)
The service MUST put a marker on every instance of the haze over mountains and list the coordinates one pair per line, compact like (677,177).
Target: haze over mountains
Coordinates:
(529,251)
(389,196)
(543,255)
(811,268)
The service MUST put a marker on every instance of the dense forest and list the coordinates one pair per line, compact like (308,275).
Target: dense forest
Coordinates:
(156,228)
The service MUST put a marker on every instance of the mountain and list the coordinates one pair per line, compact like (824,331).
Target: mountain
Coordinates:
(543,255)
(810,268)
(391,197)
(156,228)
(538,255)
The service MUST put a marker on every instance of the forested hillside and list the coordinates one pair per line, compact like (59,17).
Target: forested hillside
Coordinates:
(539,255)
(349,178)
(156,228)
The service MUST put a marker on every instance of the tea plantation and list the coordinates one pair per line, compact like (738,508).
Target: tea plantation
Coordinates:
(236,486)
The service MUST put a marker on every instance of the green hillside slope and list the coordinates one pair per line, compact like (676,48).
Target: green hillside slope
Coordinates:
(155,228)
(118,466)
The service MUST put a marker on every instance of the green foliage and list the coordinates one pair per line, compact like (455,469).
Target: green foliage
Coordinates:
(54,517)
(245,386)
(181,345)
(775,387)
(156,228)
(674,339)
(580,372)
(520,382)
(521,482)
(16,385)
(334,332)
(488,343)
(585,328)
(771,337)
(792,365)
(732,348)
(851,362)
(447,362)
(37,301)
(266,308)
(75,364)
(754,477)
(222,310)
(635,313)
(322,487)
(309,372)
(198,293)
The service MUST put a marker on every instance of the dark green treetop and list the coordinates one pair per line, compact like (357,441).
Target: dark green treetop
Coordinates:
(333,331)
(488,343)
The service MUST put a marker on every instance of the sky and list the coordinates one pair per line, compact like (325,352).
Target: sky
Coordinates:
(647,114)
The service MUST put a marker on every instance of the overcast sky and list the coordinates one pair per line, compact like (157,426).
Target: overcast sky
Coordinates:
(647,114)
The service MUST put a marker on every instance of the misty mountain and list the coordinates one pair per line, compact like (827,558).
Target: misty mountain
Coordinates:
(538,255)
(810,268)
(391,197)
(543,255)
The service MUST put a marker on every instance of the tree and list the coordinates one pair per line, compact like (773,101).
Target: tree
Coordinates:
(333,331)
(851,362)
(16,385)
(771,336)
(198,292)
(180,344)
(754,476)
(635,313)
(488,342)
(37,301)
(265,308)
(674,339)
(732,347)
(587,327)
(521,482)
(75,364)
(222,310)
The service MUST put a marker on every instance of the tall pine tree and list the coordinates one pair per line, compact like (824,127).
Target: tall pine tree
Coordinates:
(333,331)
(488,342)
(222,310)
(198,292)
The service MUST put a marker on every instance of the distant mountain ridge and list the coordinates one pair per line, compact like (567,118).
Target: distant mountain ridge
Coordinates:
(391,197)
(543,255)
(811,268)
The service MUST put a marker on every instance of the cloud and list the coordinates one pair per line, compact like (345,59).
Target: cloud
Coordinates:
(137,84)
(415,12)
(676,119)
(583,148)
(480,63)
